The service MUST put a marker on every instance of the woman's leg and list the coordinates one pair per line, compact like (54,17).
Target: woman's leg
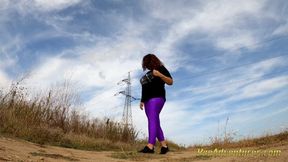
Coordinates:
(153,108)
(160,104)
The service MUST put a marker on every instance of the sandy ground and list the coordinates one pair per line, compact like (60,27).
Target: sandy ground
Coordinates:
(20,150)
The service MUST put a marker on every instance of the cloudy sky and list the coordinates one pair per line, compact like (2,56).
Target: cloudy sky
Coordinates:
(228,58)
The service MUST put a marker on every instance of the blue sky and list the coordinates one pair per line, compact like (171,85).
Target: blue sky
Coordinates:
(228,58)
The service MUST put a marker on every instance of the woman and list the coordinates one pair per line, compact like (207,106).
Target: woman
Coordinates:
(153,99)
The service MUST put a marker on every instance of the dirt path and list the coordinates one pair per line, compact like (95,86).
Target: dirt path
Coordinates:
(17,150)
(20,150)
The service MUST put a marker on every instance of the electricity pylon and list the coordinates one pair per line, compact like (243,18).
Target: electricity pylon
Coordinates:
(127,112)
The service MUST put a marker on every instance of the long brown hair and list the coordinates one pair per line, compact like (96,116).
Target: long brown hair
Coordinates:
(151,62)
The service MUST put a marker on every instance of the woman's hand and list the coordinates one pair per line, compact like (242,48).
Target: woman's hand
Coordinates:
(156,73)
(141,105)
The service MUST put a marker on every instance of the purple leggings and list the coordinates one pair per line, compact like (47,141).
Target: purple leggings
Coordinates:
(153,108)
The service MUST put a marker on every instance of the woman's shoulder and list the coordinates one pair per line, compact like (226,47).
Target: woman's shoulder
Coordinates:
(164,71)
(162,68)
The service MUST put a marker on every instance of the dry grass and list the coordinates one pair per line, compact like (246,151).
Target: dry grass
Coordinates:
(54,118)
(263,141)
(227,140)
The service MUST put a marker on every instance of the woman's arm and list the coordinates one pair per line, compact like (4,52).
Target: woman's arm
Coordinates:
(166,79)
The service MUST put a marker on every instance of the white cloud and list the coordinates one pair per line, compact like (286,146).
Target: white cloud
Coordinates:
(6,62)
(51,70)
(9,47)
(30,6)
(222,23)
(263,87)
(33,8)
(193,120)
(225,105)
(105,104)
(57,69)
(281,30)
(263,67)
(260,105)
(223,83)
(219,21)
(101,66)
(49,5)
(4,80)
(216,98)
(4,4)
(236,42)
(172,10)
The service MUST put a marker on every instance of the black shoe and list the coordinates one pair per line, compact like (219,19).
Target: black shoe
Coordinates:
(146,149)
(164,150)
